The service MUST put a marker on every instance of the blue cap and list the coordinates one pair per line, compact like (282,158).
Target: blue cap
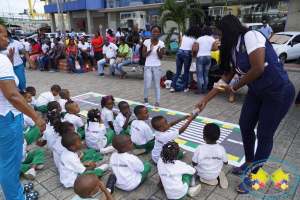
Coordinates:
(265,21)
(148,24)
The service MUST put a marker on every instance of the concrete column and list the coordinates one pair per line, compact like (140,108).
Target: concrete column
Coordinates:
(71,21)
(292,22)
(112,21)
(52,22)
(90,22)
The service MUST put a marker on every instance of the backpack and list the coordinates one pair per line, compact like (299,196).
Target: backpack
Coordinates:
(170,75)
(180,83)
(162,81)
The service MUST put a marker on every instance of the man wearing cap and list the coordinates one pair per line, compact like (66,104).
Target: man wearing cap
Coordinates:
(266,30)
(146,34)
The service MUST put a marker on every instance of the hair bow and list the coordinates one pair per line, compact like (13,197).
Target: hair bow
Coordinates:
(107,96)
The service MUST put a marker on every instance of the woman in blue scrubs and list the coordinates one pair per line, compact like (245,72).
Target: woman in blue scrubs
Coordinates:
(12,105)
(270,92)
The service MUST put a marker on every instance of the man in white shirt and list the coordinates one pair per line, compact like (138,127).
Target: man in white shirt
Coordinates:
(109,54)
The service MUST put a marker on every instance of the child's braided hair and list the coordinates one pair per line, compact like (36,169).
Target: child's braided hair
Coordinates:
(169,152)
(104,99)
(94,115)
(53,116)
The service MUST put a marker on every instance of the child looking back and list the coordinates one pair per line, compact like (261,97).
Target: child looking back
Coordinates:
(64,98)
(129,169)
(122,123)
(70,166)
(164,135)
(72,116)
(32,91)
(209,158)
(107,115)
(45,98)
(141,133)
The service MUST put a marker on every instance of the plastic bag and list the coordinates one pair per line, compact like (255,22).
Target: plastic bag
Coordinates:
(193,67)
(77,66)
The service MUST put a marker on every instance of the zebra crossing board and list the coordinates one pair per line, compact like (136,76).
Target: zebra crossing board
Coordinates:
(230,137)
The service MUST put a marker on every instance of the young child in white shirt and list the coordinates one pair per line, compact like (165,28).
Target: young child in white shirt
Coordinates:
(129,169)
(32,91)
(70,164)
(96,135)
(122,123)
(209,158)
(141,133)
(175,175)
(163,133)
(31,161)
(45,98)
(64,98)
(30,130)
(107,115)
(73,116)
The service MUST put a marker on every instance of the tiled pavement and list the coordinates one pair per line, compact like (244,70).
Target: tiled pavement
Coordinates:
(286,140)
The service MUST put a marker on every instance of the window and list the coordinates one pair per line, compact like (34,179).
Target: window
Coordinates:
(297,39)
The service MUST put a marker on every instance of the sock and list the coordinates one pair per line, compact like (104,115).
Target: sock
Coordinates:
(193,179)
(109,190)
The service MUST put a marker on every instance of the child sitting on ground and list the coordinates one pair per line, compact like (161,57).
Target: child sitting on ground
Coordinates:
(72,116)
(96,135)
(129,169)
(141,133)
(164,135)
(45,98)
(209,158)
(175,175)
(87,186)
(107,115)
(64,98)
(122,123)
(32,91)
(30,130)
(31,161)
(70,165)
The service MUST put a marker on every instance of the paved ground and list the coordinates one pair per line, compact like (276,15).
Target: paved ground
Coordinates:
(286,140)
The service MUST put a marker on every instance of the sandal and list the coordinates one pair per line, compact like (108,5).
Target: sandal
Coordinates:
(247,182)
(71,72)
(124,75)
(32,195)
(236,169)
(28,187)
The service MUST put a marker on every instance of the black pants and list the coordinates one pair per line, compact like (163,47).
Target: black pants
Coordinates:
(54,61)
(87,57)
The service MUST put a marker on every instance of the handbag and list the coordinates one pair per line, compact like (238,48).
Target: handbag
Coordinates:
(72,55)
(77,66)
(193,67)
(120,59)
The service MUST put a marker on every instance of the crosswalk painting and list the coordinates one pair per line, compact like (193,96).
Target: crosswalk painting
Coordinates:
(230,137)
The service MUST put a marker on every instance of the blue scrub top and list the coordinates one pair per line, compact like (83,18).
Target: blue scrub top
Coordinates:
(146,33)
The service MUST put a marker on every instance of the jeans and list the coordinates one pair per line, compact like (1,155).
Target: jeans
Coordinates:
(183,57)
(202,69)
(298,98)
(119,66)
(87,57)
(70,60)
(54,61)
(39,59)
(20,73)
(267,110)
(101,62)
(154,71)
(45,61)
(11,145)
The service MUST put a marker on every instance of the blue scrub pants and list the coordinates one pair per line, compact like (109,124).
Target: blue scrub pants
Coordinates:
(20,73)
(11,147)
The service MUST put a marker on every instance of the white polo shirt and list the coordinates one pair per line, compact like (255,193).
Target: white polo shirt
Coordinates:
(83,47)
(119,123)
(18,47)
(45,48)
(94,132)
(110,50)
(127,168)
(58,148)
(50,135)
(44,99)
(62,103)
(162,138)
(74,120)
(7,73)
(70,166)
(107,116)
(27,123)
(140,132)
(171,177)
(26,46)
(210,159)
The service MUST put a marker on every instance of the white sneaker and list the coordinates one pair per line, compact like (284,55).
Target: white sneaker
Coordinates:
(30,174)
(51,71)
(104,167)
(41,166)
(186,89)
(172,89)
(193,191)
(107,150)
(133,69)
(192,182)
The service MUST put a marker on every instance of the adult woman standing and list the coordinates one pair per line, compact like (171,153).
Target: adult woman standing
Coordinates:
(11,133)
(203,47)
(118,35)
(97,44)
(71,52)
(123,52)
(153,51)
(184,55)
(270,93)
(36,50)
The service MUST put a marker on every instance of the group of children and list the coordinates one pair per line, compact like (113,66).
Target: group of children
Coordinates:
(65,131)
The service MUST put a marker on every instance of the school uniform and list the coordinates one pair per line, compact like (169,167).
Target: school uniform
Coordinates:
(43,100)
(129,170)
(119,123)
(175,178)
(50,135)
(62,103)
(107,116)
(30,130)
(70,167)
(96,135)
(161,138)
(33,103)
(77,122)
(210,159)
(31,158)
(77,197)
(142,135)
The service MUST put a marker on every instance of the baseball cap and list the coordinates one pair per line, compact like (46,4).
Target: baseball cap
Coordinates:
(265,21)
(148,24)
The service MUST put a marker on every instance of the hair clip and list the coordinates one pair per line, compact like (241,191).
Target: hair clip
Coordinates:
(169,146)
(95,108)
(96,119)
(54,110)
(89,109)
(109,96)
(98,114)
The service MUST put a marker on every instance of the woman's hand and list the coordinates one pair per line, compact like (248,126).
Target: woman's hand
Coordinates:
(40,122)
(226,89)
(151,47)
(158,49)
(201,105)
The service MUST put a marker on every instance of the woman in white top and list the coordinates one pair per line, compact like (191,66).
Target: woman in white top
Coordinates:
(117,36)
(153,51)
(203,47)
(184,55)
(84,48)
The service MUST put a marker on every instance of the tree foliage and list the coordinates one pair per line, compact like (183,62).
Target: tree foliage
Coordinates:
(2,21)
